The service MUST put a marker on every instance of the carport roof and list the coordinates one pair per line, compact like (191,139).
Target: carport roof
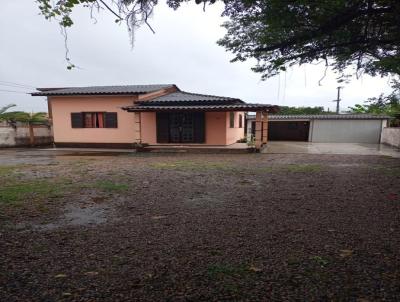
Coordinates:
(325,117)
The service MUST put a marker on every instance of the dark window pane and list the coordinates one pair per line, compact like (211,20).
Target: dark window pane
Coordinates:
(77,120)
(232,119)
(111,120)
(162,127)
(199,127)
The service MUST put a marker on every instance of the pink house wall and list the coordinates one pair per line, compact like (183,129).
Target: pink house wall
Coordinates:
(235,133)
(215,128)
(148,127)
(62,107)
(217,132)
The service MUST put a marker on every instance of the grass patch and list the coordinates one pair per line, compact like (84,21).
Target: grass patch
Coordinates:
(265,169)
(390,171)
(322,262)
(295,168)
(9,170)
(192,165)
(110,186)
(303,168)
(16,193)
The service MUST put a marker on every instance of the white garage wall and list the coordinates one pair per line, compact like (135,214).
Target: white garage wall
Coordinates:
(346,131)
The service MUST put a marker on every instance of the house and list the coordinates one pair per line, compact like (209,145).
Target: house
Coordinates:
(326,128)
(125,116)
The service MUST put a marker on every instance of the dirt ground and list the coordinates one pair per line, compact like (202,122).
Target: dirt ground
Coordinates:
(187,227)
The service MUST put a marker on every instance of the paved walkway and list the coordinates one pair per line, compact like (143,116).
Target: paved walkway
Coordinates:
(331,148)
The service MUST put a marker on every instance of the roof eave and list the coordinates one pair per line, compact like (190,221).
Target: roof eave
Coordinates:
(211,108)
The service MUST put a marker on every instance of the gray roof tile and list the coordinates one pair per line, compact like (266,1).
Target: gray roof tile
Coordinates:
(100,90)
(182,96)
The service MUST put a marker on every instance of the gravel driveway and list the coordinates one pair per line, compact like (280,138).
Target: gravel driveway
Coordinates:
(187,227)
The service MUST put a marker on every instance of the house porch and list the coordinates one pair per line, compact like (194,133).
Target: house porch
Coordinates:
(220,132)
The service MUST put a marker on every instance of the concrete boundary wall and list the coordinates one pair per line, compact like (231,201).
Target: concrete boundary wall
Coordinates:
(391,136)
(21,136)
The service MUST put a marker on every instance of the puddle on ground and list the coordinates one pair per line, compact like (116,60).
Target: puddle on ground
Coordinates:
(74,215)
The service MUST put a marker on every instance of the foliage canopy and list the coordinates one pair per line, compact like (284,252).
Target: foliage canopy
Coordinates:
(364,34)
(21,116)
(301,110)
(389,105)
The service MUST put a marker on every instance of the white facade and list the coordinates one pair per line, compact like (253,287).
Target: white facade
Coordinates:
(345,131)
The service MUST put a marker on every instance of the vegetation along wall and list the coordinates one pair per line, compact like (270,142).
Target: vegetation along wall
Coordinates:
(21,135)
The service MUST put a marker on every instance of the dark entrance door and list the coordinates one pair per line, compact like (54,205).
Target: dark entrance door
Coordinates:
(180,127)
(288,131)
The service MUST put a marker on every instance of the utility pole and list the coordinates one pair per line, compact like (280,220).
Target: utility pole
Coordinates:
(338,99)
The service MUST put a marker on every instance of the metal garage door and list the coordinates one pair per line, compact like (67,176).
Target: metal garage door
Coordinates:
(346,131)
(288,131)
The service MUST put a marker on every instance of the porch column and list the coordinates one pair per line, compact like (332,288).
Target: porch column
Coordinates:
(138,128)
(265,128)
(258,131)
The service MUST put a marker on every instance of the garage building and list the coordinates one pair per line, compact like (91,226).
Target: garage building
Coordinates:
(327,128)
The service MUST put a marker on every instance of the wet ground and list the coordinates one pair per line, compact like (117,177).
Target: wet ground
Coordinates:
(279,147)
(84,226)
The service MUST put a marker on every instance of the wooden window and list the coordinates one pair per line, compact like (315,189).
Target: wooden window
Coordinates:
(231,119)
(162,120)
(240,121)
(111,120)
(94,120)
(199,127)
(76,120)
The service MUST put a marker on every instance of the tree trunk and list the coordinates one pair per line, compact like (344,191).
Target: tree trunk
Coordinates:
(31,135)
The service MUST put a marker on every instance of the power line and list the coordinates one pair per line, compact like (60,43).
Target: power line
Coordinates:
(6,83)
(15,86)
(13,91)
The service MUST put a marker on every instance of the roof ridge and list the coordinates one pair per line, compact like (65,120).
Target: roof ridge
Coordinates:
(212,95)
(94,86)
(103,90)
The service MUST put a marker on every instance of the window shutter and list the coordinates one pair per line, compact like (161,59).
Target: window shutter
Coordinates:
(77,120)
(110,119)
(231,119)
(199,127)
(162,127)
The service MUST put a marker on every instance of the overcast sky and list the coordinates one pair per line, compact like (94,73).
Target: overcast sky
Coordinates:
(183,51)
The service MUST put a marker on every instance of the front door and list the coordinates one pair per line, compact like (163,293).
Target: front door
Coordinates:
(180,127)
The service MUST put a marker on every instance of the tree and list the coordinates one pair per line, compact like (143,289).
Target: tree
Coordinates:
(388,105)
(301,110)
(364,34)
(25,117)
(4,109)
(30,119)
